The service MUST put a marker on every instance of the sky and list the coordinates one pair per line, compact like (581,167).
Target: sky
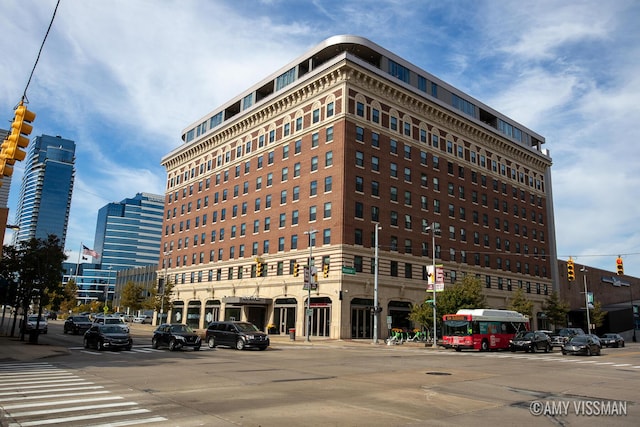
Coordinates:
(124,78)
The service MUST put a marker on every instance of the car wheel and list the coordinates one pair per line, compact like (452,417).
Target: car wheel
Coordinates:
(547,349)
(588,351)
(622,345)
(211,342)
(196,348)
(128,348)
(532,349)
(64,331)
(172,345)
(86,343)
(154,343)
(484,346)
(240,344)
(564,353)
(100,346)
(513,350)
(263,348)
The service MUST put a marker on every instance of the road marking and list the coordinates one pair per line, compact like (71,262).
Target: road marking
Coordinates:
(622,364)
(62,401)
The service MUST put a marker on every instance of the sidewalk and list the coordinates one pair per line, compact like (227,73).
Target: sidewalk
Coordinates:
(14,350)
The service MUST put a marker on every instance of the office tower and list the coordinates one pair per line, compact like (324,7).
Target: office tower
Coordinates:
(46,189)
(127,236)
(301,168)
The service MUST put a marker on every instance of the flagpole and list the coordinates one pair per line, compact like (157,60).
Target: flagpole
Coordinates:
(78,264)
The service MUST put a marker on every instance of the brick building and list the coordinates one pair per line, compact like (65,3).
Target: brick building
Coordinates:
(310,159)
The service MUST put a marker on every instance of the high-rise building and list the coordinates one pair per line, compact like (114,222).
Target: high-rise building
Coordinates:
(127,236)
(303,167)
(47,186)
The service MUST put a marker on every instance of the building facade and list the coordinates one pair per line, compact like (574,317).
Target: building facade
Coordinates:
(618,295)
(301,168)
(127,235)
(46,190)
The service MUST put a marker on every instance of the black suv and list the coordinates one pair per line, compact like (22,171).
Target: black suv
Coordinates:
(77,324)
(240,335)
(175,336)
(530,341)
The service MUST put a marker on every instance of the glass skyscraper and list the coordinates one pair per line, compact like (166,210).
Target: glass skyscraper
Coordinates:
(47,186)
(127,235)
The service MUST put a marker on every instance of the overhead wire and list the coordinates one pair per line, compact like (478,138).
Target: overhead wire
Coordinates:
(24,94)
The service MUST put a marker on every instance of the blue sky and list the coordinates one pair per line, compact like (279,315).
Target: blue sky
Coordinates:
(123,78)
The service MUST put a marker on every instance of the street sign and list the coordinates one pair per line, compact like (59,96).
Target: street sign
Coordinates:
(348,270)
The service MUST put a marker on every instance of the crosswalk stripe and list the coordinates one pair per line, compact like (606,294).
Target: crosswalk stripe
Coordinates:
(61,402)
(78,418)
(83,393)
(70,409)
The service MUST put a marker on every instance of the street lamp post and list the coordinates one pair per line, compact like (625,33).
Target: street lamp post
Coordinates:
(307,317)
(164,286)
(375,289)
(433,248)
(586,298)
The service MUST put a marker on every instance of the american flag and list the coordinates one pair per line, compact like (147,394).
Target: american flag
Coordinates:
(90,252)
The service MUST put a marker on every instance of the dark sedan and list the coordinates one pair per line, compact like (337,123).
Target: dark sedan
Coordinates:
(582,344)
(77,324)
(612,340)
(531,341)
(175,336)
(104,337)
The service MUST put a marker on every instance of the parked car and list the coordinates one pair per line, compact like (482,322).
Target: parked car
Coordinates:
(612,340)
(142,319)
(530,341)
(77,324)
(175,336)
(104,337)
(563,335)
(33,322)
(239,335)
(128,318)
(116,321)
(582,344)
(596,339)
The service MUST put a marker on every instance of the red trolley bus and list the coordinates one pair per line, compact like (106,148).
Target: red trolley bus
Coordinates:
(482,329)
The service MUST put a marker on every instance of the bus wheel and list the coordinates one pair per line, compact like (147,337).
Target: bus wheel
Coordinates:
(484,346)
(458,349)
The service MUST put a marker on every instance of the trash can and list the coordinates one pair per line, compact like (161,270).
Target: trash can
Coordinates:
(292,334)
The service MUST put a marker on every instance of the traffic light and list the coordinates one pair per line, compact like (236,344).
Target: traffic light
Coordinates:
(619,266)
(259,269)
(325,270)
(5,168)
(571,271)
(17,139)
(296,269)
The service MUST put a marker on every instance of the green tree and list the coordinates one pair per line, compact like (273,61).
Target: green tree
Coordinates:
(69,301)
(160,302)
(40,272)
(597,314)
(521,304)
(132,296)
(422,314)
(466,293)
(556,310)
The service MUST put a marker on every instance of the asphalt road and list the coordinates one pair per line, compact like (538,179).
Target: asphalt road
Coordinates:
(327,384)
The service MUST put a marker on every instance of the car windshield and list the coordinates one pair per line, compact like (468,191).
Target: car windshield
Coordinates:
(578,339)
(181,329)
(246,327)
(35,318)
(81,319)
(524,336)
(113,321)
(110,329)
